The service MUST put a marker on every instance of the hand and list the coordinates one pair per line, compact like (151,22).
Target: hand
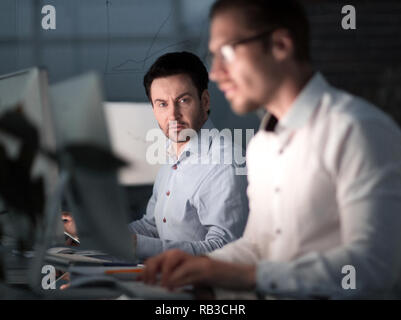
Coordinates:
(178,269)
(69,226)
(65,277)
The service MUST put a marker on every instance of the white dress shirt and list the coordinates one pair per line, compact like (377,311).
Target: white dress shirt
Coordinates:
(324,188)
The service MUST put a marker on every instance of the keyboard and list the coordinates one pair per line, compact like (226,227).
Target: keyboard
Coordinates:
(132,289)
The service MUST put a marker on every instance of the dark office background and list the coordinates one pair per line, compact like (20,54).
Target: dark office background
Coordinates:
(121,39)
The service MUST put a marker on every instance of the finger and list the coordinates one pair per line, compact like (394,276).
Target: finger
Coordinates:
(66,220)
(173,259)
(183,275)
(64,286)
(66,216)
(191,272)
(152,268)
(65,276)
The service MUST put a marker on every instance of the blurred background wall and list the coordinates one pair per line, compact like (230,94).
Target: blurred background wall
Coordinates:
(122,38)
(118,38)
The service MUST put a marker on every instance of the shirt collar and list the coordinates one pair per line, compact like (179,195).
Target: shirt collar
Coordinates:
(194,145)
(302,108)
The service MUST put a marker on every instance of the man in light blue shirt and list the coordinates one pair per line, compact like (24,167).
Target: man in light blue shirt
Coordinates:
(199,201)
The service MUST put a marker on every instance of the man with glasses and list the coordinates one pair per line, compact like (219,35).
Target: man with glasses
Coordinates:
(324,170)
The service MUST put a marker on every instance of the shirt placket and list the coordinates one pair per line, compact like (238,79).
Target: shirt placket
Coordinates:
(169,195)
(279,218)
(276,195)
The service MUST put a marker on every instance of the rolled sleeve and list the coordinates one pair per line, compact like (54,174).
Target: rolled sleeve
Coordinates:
(147,246)
(222,204)
(146,225)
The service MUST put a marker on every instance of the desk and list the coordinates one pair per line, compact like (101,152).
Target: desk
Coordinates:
(87,282)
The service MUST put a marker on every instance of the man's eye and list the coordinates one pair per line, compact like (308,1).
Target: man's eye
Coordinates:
(183,100)
(162,104)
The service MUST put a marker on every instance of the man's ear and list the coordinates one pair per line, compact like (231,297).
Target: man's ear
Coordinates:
(205,100)
(282,45)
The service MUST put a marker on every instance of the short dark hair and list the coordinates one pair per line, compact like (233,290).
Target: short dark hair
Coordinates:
(272,14)
(175,63)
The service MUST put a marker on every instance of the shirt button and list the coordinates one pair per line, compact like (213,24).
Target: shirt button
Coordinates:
(164,220)
(277,190)
(281,151)
(278,231)
(167,193)
(273,286)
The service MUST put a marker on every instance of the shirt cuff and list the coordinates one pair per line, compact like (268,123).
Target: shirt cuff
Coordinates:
(275,278)
(147,247)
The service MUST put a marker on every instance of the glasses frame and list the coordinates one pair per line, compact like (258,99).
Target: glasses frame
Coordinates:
(227,51)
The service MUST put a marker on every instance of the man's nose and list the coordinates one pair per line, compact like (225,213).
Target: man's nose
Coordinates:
(218,69)
(174,112)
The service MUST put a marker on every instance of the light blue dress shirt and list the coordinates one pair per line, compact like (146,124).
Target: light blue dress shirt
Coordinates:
(197,205)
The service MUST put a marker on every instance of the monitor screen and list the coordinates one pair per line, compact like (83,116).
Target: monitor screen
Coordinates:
(26,91)
(133,130)
(95,197)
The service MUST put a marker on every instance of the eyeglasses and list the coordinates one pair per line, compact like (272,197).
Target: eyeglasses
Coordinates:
(227,52)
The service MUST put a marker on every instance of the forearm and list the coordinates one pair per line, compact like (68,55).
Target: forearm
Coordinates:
(322,275)
(143,227)
(148,247)
(239,251)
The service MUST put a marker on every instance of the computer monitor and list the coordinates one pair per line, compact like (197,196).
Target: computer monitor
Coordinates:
(129,125)
(95,197)
(27,91)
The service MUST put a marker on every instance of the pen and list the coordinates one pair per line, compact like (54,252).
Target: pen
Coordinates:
(75,239)
(117,271)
